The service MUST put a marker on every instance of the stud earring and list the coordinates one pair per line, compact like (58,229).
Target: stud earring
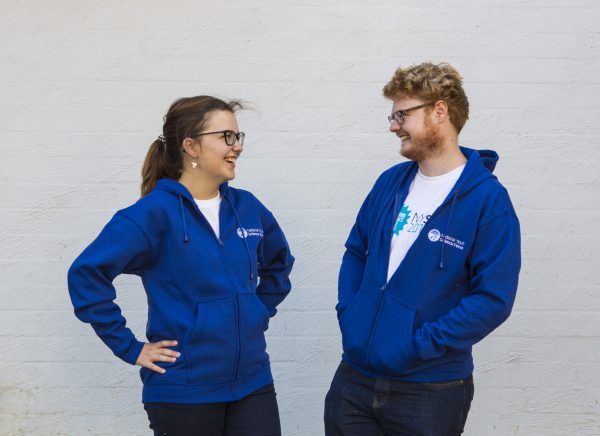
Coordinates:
(194,164)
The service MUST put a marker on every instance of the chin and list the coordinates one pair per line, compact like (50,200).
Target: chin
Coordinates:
(406,152)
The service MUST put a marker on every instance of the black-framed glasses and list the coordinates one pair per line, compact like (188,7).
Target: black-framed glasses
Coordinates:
(399,115)
(229,135)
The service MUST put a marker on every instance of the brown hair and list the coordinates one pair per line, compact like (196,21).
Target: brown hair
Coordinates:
(431,83)
(186,117)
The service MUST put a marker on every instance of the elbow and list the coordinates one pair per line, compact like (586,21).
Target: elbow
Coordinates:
(502,311)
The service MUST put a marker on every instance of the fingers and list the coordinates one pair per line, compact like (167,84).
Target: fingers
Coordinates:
(156,352)
(166,343)
(155,368)
(165,356)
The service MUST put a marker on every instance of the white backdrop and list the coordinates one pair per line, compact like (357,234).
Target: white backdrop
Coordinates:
(84,86)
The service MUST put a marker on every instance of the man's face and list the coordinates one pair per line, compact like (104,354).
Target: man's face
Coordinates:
(420,137)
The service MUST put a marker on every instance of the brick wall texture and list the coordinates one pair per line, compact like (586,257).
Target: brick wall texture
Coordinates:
(84,86)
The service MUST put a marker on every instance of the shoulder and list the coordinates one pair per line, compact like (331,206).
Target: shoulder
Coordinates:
(150,212)
(496,200)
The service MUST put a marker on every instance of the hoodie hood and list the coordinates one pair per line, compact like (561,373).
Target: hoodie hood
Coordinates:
(179,190)
(174,187)
(479,167)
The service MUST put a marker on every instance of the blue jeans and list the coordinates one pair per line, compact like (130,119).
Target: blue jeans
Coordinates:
(364,406)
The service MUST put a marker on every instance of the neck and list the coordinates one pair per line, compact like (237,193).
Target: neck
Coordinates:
(201,188)
(449,158)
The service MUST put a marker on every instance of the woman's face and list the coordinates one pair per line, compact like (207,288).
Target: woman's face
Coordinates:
(215,158)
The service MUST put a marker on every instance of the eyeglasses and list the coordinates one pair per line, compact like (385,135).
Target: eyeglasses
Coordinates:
(229,135)
(399,116)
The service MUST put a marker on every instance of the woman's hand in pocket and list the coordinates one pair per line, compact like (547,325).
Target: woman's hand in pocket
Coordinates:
(157,352)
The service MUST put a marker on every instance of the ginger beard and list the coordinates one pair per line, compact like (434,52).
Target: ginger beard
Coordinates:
(423,145)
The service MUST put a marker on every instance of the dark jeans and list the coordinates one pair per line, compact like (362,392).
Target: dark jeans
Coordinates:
(256,414)
(365,406)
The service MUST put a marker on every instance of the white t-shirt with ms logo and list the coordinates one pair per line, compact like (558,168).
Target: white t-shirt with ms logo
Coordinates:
(424,196)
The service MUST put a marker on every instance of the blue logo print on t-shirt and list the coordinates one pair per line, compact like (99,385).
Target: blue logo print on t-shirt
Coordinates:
(402,219)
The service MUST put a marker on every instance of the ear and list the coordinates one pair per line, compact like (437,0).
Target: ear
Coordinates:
(440,111)
(189,147)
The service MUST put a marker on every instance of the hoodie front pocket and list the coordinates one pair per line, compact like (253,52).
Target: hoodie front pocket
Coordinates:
(391,351)
(254,319)
(356,322)
(211,347)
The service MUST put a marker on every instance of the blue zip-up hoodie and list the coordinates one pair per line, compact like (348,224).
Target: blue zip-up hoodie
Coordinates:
(456,284)
(202,291)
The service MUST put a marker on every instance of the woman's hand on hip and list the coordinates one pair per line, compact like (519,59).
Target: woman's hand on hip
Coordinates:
(157,352)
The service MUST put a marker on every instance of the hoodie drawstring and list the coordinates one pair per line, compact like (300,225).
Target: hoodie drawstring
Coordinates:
(239,224)
(455,196)
(185,234)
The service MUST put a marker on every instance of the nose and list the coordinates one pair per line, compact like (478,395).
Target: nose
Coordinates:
(237,147)
(394,126)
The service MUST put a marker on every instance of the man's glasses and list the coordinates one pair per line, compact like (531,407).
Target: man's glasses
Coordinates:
(229,135)
(399,116)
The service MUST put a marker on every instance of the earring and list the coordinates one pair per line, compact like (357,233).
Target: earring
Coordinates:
(194,164)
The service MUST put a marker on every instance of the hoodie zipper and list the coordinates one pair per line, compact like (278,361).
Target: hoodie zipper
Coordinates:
(395,212)
(235,301)
(379,304)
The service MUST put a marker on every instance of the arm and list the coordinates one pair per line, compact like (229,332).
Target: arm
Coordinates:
(275,263)
(354,259)
(494,269)
(121,247)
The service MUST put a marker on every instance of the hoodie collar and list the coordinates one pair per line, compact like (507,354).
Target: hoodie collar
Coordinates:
(172,186)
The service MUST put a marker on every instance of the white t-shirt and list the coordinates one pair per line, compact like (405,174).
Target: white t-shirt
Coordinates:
(210,210)
(424,196)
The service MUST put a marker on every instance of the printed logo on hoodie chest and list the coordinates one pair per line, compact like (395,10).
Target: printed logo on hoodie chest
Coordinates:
(435,235)
(247,233)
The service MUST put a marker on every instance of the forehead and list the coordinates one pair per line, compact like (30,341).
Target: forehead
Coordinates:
(405,103)
(221,120)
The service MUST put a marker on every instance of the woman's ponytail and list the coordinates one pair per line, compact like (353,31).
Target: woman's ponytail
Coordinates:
(155,165)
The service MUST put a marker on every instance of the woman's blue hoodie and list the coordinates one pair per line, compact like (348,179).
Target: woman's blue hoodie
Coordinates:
(456,284)
(213,295)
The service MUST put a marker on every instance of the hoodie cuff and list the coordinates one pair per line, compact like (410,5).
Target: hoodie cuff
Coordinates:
(133,352)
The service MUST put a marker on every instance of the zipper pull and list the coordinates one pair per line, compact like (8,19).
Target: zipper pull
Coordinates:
(383,288)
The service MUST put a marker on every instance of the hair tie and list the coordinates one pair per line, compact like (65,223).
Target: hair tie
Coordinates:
(162,142)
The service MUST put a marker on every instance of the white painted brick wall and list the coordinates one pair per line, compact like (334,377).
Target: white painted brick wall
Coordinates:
(84,85)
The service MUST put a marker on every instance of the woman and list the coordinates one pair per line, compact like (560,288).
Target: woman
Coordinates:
(199,247)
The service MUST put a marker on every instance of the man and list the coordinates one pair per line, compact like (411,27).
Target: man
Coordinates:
(431,268)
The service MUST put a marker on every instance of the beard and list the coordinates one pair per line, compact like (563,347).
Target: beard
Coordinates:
(424,145)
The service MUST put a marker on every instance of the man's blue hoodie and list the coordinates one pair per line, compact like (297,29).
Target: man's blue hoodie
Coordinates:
(213,295)
(456,284)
